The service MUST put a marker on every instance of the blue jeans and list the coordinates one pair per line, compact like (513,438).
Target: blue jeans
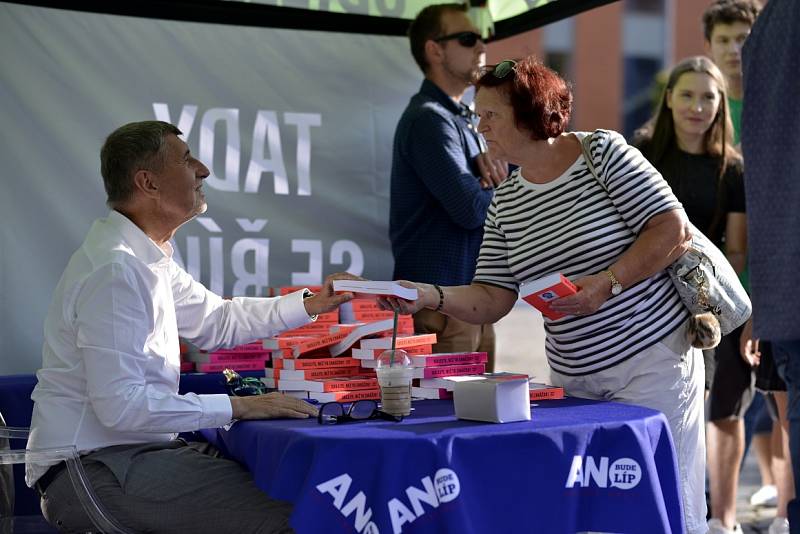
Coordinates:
(787,360)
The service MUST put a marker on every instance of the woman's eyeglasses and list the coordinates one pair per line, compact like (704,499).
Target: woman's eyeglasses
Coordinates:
(465,39)
(504,68)
(333,413)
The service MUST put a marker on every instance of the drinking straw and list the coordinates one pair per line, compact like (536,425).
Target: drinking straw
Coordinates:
(394,338)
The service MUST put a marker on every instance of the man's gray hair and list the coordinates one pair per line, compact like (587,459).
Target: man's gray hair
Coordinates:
(130,148)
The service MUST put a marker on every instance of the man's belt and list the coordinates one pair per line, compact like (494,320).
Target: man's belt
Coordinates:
(46,479)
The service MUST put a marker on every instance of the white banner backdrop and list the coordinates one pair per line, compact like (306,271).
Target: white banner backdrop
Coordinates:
(295,126)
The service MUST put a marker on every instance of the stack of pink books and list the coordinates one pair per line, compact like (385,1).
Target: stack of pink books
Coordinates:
(430,370)
(247,357)
(325,379)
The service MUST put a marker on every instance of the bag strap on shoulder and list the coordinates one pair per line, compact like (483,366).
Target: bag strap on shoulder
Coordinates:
(586,148)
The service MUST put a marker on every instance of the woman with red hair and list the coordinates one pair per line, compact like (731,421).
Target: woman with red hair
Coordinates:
(624,335)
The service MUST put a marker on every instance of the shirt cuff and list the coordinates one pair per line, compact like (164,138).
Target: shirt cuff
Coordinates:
(293,310)
(217,410)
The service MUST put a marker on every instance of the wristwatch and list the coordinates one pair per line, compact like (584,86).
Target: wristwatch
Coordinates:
(616,287)
(306,295)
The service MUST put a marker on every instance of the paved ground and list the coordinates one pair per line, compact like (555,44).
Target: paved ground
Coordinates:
(520,348)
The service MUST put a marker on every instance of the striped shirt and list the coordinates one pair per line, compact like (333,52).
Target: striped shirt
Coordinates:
(572,226)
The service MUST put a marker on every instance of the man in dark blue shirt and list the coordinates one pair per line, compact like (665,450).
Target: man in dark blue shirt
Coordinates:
(442,177)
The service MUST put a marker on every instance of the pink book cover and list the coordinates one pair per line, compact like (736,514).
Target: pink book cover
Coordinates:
(449,358)
(401,343)
(247,365)
(187,367)
(539,293)
(346,396)
(316,363)
(449,370)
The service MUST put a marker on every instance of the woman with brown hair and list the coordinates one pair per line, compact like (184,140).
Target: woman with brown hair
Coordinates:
(624,334)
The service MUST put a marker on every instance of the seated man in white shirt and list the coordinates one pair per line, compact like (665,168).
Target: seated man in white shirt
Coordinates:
(109,377)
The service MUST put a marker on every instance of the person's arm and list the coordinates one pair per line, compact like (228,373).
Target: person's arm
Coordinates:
(118,325)
(209,321)
(475,303)
(435,151)
(736,241)
(664,239)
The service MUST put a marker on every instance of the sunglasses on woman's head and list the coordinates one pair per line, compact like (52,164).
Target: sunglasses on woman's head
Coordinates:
(504,68)
(465,39)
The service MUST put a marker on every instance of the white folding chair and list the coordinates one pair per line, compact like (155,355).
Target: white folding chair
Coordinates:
(103,521)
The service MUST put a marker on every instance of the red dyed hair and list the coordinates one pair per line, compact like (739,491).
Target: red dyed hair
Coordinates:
(540,98)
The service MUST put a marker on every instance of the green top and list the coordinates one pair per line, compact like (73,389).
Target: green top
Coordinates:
(735,107)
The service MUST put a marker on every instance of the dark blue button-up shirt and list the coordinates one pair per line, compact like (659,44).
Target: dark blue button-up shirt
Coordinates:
(437,204)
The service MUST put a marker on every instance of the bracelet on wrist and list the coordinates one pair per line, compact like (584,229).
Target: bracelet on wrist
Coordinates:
(441,298)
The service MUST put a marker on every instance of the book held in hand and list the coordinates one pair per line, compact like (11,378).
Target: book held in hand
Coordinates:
(374,287)
(539,293)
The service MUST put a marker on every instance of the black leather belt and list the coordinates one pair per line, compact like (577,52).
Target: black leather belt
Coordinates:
(50,475)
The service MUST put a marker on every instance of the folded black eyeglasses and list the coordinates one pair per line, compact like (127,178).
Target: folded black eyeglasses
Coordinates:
(465,39)
(332,413)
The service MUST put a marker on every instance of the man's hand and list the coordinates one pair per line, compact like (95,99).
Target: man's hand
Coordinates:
(493,171)
(428,296)
(593,291)
(271,406)
(748,347)
(326,300)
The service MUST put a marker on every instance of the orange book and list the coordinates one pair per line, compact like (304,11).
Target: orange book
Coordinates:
(314,374)
(318,342)
(374,354)
(401,342)
(347,383)
(545,392)
(315,363)
(539,293)
(346,396)
(280,343)
(291,289)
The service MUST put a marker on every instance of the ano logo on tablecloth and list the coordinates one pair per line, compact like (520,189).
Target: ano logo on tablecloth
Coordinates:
(624,473)
(443,487)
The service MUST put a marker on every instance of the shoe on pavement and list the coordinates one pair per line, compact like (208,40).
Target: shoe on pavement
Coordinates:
(715,526)
(765,496)
(780,525)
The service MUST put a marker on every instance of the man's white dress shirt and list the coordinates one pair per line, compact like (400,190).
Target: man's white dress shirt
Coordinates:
(111,361)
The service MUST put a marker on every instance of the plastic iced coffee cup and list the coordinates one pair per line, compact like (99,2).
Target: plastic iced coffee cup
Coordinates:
(394,378)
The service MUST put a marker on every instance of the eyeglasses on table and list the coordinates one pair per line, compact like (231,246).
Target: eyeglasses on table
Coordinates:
(333,413)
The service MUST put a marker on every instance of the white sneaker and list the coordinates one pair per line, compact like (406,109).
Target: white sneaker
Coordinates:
(780,525)
(765,496)
(715,526)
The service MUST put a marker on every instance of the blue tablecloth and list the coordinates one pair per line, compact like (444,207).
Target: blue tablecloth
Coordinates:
(16,406)
(577,466)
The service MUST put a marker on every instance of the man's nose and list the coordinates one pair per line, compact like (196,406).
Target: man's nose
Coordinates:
(202,171)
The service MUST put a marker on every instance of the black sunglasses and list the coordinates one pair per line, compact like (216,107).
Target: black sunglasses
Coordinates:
(332,413)
(504,68)
(465,39)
